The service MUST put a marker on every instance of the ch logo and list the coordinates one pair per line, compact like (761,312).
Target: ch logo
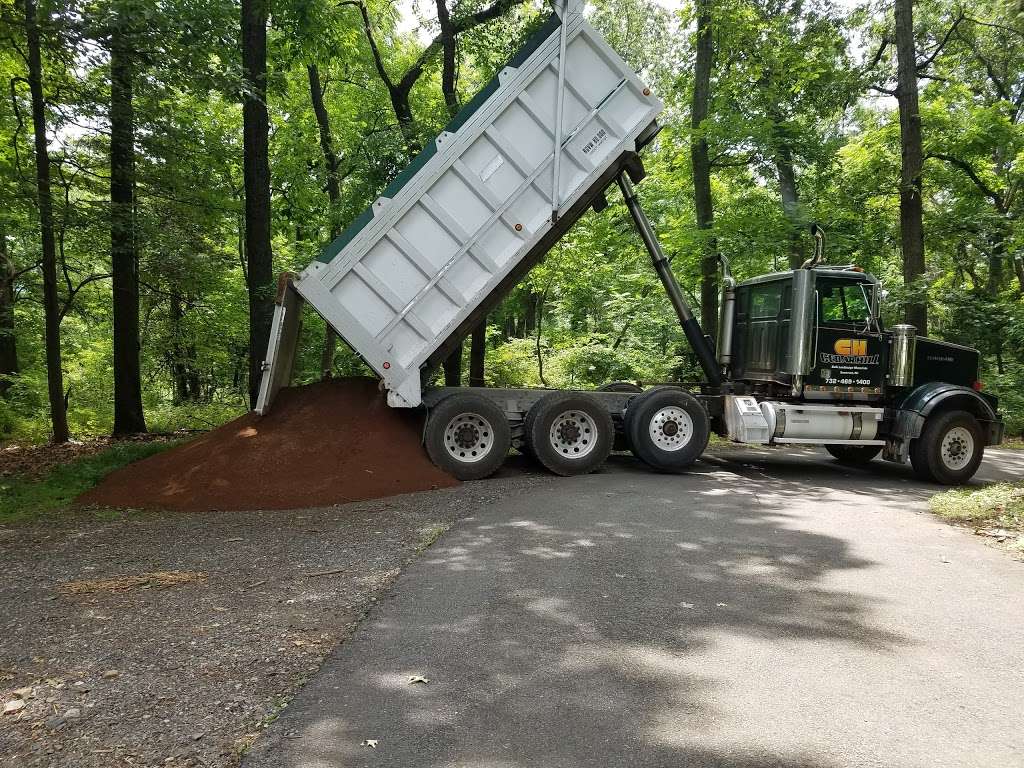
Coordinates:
(851,347)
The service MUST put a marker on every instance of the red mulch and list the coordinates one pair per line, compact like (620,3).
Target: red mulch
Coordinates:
(322,444)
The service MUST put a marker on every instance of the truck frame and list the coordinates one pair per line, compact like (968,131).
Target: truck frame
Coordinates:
(802,356)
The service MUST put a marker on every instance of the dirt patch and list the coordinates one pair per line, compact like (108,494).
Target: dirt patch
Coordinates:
(328,443)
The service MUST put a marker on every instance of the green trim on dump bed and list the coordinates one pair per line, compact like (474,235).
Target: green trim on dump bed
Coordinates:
(549,27)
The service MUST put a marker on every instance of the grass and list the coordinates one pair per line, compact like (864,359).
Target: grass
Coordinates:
(1013,443)
(1000,505)
(23,499)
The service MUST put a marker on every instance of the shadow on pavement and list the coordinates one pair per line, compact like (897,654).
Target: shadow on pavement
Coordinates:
(560,629)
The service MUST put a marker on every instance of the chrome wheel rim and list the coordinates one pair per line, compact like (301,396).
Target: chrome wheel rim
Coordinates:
(468,438)
(957,448)
(573,434)
(670,429)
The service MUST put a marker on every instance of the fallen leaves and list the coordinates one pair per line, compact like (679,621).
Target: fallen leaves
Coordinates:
(124,583)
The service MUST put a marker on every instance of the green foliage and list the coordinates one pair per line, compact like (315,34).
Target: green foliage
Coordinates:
(999,505)
(22,498)
(794,86)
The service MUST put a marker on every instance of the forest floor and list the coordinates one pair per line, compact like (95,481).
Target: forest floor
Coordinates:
(151,639)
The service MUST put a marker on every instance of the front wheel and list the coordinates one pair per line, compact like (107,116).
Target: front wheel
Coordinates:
(668,429)
(853,454)
(467,436)
(949,449)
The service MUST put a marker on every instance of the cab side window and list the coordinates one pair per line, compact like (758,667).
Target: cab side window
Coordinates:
(841,303)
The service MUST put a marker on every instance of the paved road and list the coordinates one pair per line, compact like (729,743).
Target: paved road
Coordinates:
(769,609)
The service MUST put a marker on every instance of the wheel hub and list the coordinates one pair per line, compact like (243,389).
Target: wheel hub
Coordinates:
(957,448)
(468,437)
(573,434)
(670,428)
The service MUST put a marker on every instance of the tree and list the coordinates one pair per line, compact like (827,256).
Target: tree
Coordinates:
(705,49)
(256,164)
(128,413)
(316,95)
(912,161)
(51,308)
(8,339)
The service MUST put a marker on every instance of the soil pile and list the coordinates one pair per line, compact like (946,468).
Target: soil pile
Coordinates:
(322,444)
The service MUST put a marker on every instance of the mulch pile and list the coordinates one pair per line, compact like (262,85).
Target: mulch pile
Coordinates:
(322,444)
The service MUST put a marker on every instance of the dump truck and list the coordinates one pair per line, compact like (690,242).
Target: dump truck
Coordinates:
(801,357)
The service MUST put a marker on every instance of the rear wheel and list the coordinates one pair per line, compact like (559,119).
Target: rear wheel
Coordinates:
(854,454)
(668,429)
(467,436)
(949,449)
(570,433)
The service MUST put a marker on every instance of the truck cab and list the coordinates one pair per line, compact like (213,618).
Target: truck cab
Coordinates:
(806,350)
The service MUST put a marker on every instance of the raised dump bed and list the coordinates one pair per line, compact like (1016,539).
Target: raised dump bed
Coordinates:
(474,211)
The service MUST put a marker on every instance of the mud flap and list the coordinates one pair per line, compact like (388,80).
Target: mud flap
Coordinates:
(284,336)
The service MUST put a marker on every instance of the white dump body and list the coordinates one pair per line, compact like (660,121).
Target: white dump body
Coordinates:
(475,205)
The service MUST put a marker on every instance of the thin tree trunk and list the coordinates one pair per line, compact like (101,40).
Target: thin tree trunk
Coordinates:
(911,206)
(256,169)
(702,169)
(540,327)
(8,343)
(477,354)
(51,308)
(453,368)
(179,368)
(1018,268)
(448,59)
(316,95)
(790,194)
(128,413)
(996,256)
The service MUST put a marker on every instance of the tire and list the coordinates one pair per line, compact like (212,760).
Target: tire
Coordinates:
(854,455)
(570,433)
(949,449)
(467,436)
(668,429)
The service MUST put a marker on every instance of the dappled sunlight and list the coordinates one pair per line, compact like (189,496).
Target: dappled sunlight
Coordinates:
(541,622)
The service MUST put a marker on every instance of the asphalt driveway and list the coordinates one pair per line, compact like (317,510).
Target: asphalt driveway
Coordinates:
(767,609)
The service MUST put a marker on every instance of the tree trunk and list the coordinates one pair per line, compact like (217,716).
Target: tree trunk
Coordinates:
(453,368)
(1018,268)
(448,59)
(179,356)
(996,256)
(316,95)
(790,194)
(128,414)
(256,169)
(8,345)
(477,354)
(51,308)
(911,216)
(702,170)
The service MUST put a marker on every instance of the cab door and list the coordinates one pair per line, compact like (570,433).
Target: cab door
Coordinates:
(850,355)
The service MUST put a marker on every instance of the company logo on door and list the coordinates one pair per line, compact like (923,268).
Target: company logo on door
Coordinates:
(853,351)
